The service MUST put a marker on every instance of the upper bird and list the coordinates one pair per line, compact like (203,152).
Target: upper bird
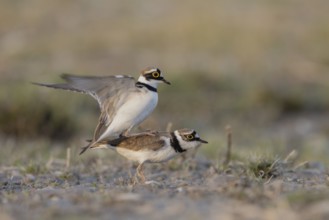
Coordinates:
(124,102)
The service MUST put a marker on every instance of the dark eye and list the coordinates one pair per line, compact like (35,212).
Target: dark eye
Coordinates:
(189,137)
(155,75)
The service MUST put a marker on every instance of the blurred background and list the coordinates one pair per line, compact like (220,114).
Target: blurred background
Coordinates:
(259,66)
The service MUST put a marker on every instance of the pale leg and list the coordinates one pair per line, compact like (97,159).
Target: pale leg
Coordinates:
(140,173)
(126,132)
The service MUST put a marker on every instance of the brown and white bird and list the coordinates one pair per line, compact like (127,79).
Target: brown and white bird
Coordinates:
(124,102)
(153,148)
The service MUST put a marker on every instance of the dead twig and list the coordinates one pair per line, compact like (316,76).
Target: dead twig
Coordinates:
(227,160)
(169,126)
(68,158)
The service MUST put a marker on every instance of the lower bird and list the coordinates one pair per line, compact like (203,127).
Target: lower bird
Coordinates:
(153,148)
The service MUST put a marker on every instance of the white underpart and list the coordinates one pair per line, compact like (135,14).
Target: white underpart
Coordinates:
(135,109)
(161,155)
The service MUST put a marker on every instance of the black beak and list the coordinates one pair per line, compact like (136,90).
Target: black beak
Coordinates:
(203,141)
(165,81)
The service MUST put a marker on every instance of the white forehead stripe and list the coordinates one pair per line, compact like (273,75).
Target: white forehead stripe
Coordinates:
(151,71)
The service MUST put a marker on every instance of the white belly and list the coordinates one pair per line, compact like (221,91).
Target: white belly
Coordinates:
(142,156)
(132,113)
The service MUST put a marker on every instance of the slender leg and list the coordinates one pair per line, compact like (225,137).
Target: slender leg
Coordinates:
(140,173)
(147,132)
(126,132)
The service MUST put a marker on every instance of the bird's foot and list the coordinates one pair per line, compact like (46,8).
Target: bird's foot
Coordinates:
(152,182)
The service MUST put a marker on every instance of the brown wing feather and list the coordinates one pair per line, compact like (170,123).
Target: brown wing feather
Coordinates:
(108,111)
(139,142)
(101,126)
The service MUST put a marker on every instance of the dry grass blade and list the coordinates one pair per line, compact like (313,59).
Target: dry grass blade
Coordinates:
(302,164)
(291,156)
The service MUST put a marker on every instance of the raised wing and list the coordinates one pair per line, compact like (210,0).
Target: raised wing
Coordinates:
(107,90)
(102,88)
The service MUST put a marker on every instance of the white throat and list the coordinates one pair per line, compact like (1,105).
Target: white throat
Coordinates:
(186,144)
(153,83)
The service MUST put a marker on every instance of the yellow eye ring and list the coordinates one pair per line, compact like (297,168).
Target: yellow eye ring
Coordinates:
(156,75)
(189,137)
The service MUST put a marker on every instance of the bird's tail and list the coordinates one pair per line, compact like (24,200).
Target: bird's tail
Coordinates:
(93,145)
(83,149)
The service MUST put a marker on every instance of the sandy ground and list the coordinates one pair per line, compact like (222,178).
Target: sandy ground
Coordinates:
(190,189)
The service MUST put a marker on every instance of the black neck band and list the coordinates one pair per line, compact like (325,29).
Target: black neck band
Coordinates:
(175,143)
(141,85)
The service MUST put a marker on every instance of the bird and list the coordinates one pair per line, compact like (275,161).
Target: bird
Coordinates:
(124,102)
(152,148)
